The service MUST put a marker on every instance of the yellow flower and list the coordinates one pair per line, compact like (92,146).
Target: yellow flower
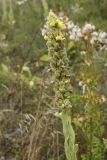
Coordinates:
(60,24)
(59,38)
(52,24)
(46,37)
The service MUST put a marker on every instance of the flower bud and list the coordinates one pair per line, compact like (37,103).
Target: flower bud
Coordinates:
(59,38)
(60,24)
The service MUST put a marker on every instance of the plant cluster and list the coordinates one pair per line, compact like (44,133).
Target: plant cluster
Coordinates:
(32,100)
(88,44)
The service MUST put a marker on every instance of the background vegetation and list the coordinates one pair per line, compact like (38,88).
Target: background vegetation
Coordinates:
(28,128)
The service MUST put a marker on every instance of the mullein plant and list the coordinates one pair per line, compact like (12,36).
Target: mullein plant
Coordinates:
(61,70)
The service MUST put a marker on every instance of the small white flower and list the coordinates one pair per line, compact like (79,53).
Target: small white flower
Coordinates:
(88,28)
(102,38)
(75,34)
(103,35)
(70,25)
(94,34)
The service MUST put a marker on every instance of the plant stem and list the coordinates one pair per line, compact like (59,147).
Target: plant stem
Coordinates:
(70,147)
